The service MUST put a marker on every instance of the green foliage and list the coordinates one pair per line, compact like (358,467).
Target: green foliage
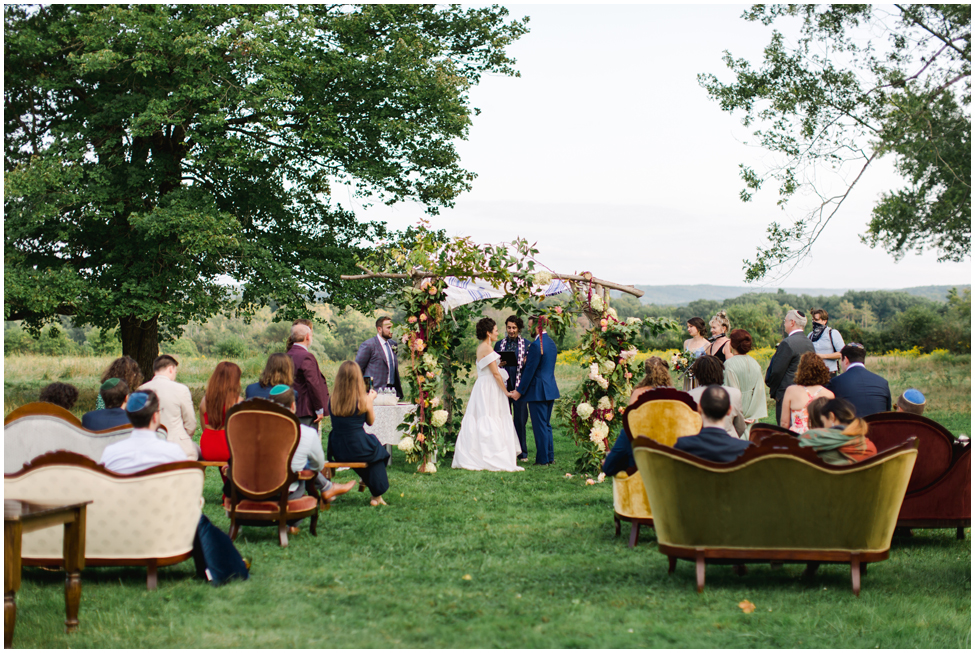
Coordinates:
(153,151)
(839,99)
(233,347)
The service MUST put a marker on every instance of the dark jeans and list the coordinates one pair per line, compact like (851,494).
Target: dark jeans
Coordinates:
(519,415)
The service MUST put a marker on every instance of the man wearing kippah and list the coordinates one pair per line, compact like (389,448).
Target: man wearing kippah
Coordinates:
(113,392)
(144,448)
(911,401)
(781,372)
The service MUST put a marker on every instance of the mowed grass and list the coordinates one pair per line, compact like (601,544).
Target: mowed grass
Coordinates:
(476,560)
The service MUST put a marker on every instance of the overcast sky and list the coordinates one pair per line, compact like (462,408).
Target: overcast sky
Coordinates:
(608,154)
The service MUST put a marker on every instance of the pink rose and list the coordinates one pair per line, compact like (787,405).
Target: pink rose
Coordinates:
(628,375)
(603,323)
(432,290)
(423,317)
(430,375)
(589,481)
(411,319)
(420,438)
(558,310)
(604,328)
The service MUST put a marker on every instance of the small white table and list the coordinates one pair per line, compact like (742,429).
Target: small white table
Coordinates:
(388,418)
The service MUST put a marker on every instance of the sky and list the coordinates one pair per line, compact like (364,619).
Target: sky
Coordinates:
(608,154)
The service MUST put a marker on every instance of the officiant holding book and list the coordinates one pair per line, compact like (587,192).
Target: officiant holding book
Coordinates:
(514,352)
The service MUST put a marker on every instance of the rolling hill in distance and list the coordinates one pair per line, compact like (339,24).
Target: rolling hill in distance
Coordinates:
(681,295)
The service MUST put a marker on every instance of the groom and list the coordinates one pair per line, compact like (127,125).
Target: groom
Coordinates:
(538,387)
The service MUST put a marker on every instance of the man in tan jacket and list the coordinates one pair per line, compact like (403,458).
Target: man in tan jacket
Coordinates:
(175,405)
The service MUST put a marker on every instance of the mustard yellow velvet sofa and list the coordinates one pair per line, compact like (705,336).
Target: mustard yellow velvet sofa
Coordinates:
(663,415)
(777,502)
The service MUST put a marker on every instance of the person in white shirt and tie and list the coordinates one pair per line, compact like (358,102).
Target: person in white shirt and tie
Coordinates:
(377,358)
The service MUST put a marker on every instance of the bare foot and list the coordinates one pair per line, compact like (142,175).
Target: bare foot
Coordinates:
(337,489)
(377,501)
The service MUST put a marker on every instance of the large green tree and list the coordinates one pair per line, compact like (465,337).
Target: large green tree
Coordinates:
(862,82)
(164,163)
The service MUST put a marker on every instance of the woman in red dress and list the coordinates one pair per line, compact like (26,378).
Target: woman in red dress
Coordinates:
(223,391)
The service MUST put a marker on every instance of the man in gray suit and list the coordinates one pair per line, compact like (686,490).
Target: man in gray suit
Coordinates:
(781,372)
(377,358)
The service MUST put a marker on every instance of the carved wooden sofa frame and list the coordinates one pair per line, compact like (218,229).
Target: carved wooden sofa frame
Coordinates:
(777,502)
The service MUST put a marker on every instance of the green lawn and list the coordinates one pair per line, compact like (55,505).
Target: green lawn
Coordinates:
(544,567)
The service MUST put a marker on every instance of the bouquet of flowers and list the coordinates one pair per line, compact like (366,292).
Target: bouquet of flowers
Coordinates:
(681,362)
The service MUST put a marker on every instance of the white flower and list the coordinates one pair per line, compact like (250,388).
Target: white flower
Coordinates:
(584,410)
(430,468)
(630,321)
(604,404)
(597,303)
(601,446)
(599,430)
(612,313)
(435,402)
(601,477)
(439,418)
(607,367)
(627,354)
(602,382)
(543,278)
(594,371)
(406,444)
(429,360)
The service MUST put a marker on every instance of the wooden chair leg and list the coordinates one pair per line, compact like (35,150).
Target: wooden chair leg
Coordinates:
(152,575)
(855,573)
(699,568)
(671,564)
(619,525)
(634,534)
(811,569)
(283,533)
(960,533)
(234,529)
(314,524)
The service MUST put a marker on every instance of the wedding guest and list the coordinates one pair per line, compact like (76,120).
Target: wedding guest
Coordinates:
(124,368)
(279,370)
(377,358)
(713,442)
(911,401)
(222,392)
(656,375)
(708,370)
(696,344)
(827,342)
(60,394)
(514,343)
(350,407)
(743,372)
(843,441)
(781,370)
(144,448)
(720,344)
(291,335)
(868,392)
(114,393)
(175,404)
(310,387)
(815,410)
(810,381)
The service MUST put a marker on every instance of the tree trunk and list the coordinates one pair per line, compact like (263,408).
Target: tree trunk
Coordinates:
(140,340)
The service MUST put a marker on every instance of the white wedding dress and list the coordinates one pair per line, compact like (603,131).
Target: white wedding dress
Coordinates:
(487,438)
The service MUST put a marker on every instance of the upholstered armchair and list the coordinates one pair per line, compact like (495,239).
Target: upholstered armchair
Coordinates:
(777,501)
(663,415)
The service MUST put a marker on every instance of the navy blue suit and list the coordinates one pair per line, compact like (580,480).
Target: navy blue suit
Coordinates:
(868,392)
(539,389)
(106,418)
(620,457)
(713,444)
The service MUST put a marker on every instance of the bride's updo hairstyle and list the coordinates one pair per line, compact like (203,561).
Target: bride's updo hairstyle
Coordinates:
(485,326)
(349,387)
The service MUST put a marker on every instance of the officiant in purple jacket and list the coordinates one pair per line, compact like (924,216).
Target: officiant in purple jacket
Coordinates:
(518,346)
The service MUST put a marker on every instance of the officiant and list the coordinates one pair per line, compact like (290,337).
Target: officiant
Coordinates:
(513,350)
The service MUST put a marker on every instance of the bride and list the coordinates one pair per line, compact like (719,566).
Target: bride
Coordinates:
(487,438)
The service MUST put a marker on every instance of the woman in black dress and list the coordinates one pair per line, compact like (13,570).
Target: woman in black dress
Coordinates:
(350,406)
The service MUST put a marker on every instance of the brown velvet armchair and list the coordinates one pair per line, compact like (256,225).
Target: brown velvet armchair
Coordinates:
(663,415)
(940,492)
(262,437)
(777,501)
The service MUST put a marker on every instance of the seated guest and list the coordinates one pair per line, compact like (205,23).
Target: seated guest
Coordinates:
(713,442)
(708,370)
(815,410)
(144,448)
(113,392)
(124,368)
(350,406)
(223,390)
(656,375)
(868,392)
(811,377)
(64,395)
(279,370)
(911,401)
(309,454)
(843,441)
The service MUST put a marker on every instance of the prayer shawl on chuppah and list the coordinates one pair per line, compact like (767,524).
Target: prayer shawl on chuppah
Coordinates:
(836,448)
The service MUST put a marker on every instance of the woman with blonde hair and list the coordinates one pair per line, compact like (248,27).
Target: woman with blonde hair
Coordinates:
(811,377)
(720,346)
(843,440)
(279,370)
(656,374)
(223,391)
(351,407)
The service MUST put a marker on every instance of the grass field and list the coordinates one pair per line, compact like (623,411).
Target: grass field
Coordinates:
(476,560)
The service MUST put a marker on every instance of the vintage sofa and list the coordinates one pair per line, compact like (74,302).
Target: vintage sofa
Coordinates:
(40,427)
(145,519)
(939,494)
(661,414)
(776,502)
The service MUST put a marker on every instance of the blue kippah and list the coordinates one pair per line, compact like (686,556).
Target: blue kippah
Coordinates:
(278,389)
(137,401)
(914,396)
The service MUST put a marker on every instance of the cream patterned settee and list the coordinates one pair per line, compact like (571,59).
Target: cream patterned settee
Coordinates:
(145,519)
